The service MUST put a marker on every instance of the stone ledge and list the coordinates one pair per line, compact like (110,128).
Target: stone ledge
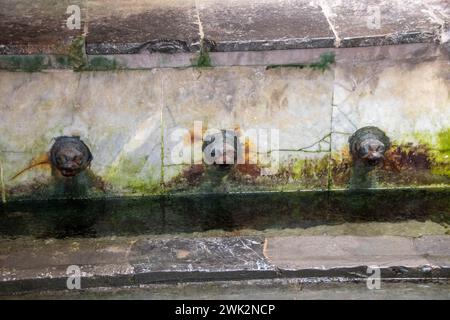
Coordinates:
(180,25)
(414,52)
(42,264)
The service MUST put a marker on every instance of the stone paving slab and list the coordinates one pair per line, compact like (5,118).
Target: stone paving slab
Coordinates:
(28,264)
(264,25)
(209,254)
(381,22)
(32,27)
(142,26)
(435,248)
(137,26)
(38,259)
(327,252)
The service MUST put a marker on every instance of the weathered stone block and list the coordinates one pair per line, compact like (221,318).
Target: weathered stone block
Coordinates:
(32,27)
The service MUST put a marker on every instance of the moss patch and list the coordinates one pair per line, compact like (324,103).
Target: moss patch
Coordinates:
(77,57)
(203,60)
(325,61)
(62,61)
(128,174)
(441,155)
(444,142)
(32,63)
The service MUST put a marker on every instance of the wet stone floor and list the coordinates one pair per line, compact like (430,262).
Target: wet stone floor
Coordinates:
(46,235)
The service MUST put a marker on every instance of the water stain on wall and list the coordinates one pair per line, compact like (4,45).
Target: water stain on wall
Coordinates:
(406,164)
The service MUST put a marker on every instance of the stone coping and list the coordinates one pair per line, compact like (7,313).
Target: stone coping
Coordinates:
(182,26)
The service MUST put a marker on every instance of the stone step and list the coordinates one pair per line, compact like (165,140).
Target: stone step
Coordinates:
(28,265)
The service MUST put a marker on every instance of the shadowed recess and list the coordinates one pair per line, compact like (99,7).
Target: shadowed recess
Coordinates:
(232,212)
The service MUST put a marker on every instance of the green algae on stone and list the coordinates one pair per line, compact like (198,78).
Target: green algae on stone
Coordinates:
(416,159)
(102,64)
(438,145)
(325,61)
(311,174)
(287,65)
(62,60)
(77,54)
(127,174)
(2,183)
(32,63)
(204,59)
(441,156)
(94,64)
(309,168)
(76,59)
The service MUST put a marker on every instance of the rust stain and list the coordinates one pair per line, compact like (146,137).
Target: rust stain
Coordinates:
(277,97)
(403,163)
(40,160)
(194,135)
(194,174)
(248,168)
(407,157)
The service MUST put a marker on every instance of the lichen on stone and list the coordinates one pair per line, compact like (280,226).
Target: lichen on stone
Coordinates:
(130,175)
(77,57)
(441,155)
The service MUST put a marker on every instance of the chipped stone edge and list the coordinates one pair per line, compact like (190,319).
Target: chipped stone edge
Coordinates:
(248,45)
(126,274)
(390,273)
(282,44)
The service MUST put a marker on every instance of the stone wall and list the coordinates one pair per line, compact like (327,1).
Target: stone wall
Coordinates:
(145,127)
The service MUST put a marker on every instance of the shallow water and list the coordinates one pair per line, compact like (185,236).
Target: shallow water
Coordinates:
(277,289)
(224,212)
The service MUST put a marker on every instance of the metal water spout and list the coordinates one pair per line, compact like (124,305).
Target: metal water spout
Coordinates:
(368,145)
(70,155)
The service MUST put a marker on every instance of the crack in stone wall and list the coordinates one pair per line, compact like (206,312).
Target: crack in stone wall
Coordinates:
(328,13)
(2,183)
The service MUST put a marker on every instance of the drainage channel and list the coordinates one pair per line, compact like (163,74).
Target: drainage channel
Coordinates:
(319,237)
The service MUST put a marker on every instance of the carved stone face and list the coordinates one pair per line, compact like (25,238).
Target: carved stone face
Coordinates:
(372,151)
(70,156)
(368,145)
